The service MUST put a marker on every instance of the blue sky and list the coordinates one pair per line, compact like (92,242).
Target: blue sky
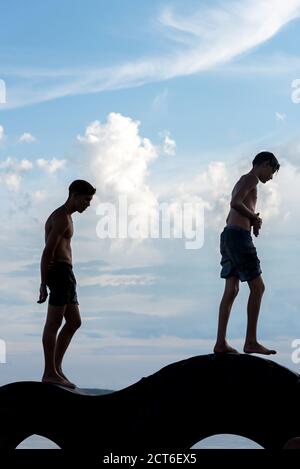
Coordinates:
(212,78)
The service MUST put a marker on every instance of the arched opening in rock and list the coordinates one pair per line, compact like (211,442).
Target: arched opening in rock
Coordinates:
(226,441)
(37,442)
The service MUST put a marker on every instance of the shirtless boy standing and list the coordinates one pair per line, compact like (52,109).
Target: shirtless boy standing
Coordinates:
(57,274)
(239,258)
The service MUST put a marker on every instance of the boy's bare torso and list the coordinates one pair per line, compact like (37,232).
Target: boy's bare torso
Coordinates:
(63,251)
(236,218)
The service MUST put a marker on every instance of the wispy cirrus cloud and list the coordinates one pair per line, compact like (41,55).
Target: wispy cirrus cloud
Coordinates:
(107,280)
(197,41)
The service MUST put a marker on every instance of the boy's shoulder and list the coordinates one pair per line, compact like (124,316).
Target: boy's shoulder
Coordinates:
(57,216)
(248,178)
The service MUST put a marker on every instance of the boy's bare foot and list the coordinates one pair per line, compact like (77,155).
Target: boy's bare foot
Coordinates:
(69,384)
(255,347)
(60,372)
(58,380)
(224,348)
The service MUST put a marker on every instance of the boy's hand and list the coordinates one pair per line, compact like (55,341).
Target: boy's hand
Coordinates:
(257,222)
(43,294)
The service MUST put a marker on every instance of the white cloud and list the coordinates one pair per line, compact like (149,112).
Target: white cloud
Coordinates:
(118,280)
(27,138)
(1,132)
(210,187)
(289,151)
(12,164)
(51,165)
(118,159)
(280,116)
(169,146)
(159,103)
(12,180)
(40,195)
(283,197)
(119,156)
(10,170)
(25,165)
(270,199)
(208,37)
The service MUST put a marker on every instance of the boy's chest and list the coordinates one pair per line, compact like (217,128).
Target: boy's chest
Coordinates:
(69,230)
(251,197)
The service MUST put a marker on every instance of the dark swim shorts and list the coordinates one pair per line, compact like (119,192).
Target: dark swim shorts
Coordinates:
(62,284)
(239,256)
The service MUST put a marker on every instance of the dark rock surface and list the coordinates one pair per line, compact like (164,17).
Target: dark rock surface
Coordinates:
(170,410)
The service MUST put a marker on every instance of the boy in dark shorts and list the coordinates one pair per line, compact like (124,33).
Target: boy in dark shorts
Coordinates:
(239,257)
(57,274)
(61,283)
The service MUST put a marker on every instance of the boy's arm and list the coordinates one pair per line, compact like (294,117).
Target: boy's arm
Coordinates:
(237,201)
(60,225)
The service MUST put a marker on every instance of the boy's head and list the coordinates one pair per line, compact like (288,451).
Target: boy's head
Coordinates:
(265,164)
(81,193)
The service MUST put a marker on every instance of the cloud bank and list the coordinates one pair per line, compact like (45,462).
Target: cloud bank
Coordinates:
(197,41)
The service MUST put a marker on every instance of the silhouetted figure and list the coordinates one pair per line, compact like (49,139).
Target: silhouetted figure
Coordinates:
(57,274)
(239,257)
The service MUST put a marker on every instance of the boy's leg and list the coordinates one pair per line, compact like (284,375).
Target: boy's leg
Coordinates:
(257,289)
(53,323)
(73,322)
(230,292)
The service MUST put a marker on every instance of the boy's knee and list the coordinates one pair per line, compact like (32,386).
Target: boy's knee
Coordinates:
(54,323)
(258,286)
(78,324)
(236,290)
(233,290)
(74,324)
